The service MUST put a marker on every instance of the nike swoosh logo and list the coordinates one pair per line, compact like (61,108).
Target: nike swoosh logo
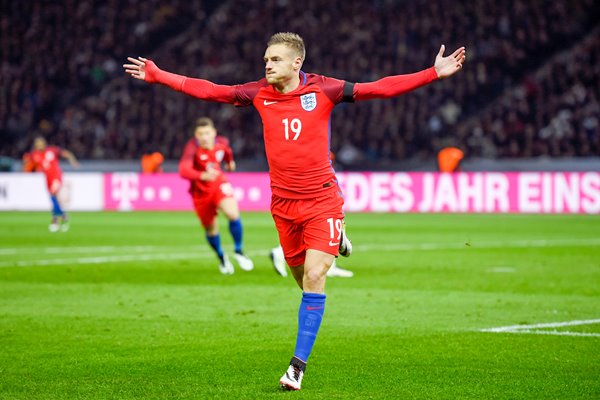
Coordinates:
(310,308)
(268,103)
(331,243)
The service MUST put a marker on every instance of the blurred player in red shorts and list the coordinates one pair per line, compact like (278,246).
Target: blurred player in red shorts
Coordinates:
(211,192)
(44,158)
(295,108)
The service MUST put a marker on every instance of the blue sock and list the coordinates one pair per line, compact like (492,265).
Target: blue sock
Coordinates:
(235,227)
(215,243)
(309,321)
(56,210)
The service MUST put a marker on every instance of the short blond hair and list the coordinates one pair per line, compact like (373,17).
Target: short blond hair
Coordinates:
(291,40)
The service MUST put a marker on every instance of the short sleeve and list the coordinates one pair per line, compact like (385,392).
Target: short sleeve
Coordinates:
(333,88)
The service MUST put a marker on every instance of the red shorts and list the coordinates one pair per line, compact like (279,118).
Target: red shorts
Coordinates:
(206,204)
(314,223)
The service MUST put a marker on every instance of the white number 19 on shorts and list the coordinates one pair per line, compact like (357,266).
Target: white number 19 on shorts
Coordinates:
(335,231)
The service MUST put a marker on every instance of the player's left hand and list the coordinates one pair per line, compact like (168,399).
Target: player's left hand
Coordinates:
(448,66)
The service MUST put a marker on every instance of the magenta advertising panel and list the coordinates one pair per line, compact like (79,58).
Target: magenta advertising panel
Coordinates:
(132,191)
(488,192)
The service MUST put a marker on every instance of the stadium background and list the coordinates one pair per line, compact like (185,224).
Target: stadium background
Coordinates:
(529,91)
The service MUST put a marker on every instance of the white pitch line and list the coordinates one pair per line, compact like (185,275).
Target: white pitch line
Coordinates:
(359,247)
(556,333)
(544,325)
(103,259)
(91,249)
(115,259)
(538,329)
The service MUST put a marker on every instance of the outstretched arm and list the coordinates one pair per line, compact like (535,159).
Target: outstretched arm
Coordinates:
(70,157)
(146,70)
(396,85)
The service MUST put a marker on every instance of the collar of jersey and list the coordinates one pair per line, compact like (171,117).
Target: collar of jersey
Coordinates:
(301,86)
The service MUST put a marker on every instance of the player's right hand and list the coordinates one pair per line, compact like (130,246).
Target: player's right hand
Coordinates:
(141,68)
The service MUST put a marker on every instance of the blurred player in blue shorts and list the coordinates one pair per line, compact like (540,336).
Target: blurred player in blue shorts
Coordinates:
(44,158)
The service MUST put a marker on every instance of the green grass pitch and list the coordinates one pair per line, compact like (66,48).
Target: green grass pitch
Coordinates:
(131,305)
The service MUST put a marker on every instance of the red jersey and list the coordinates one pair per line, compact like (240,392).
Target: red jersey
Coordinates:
(297,135)
(196,160)
(295,124)
(47,161)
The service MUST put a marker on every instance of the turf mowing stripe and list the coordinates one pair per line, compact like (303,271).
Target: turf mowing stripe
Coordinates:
(482,245)
(360,247)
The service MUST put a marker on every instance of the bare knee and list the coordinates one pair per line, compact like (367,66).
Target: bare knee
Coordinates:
(232,215)
(315,270)
(314,275)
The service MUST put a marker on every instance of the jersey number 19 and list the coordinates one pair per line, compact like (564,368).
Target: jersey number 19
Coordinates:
(295,125)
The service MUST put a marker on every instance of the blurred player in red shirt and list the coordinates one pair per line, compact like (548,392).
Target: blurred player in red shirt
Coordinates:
(295,108)
(44,158)
(211,192)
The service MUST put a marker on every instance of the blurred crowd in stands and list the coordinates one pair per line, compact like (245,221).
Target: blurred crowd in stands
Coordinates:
(530,87)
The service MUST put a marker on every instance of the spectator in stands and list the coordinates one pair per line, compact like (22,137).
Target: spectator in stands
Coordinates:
(152,162)
(449,159)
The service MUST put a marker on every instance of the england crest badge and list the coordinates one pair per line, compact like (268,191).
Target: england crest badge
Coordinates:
(309,101)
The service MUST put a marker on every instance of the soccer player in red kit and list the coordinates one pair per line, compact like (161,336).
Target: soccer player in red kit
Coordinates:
(295,108)
(44,158)
(210,190)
